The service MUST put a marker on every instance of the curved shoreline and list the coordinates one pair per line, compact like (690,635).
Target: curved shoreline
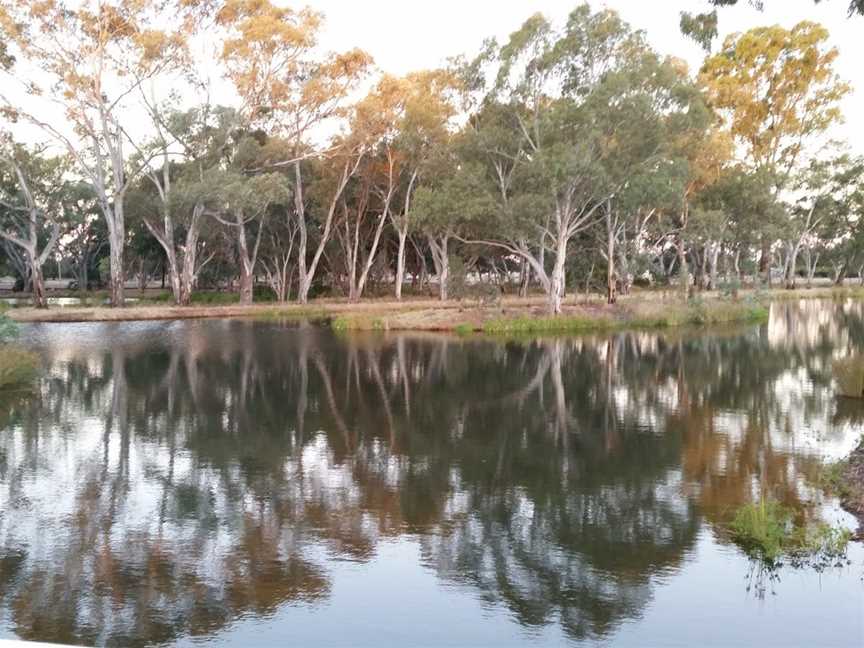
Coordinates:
(512,315)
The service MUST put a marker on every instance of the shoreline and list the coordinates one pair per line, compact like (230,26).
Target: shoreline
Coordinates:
(642,309)
(845,480)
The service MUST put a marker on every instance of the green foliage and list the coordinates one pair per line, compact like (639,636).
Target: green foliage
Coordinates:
(357,323)
(702,28)
(463,329)
(767,530)
(561,324)
(213,297)
(640,315)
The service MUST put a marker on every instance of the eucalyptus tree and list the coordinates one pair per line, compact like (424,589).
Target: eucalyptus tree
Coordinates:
(240,200)
(31,208)
(94,56)
(806,217)
(286,85)
(776,90)
(170,196)
(842,230)
(730,213)
(426,105)
(644,110)
(552,111)
(453,200)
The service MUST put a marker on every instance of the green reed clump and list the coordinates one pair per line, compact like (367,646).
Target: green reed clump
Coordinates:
(560,324)
(762,527)
(357,323)
(768,530)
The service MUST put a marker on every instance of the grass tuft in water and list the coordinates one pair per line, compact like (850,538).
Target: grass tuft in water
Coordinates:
(769,531)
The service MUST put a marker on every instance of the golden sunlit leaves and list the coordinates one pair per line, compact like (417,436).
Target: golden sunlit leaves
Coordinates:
(775,87)
(269,54)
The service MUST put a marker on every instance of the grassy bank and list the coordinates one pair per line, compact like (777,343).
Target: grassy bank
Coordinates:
(635,315)
(642,309)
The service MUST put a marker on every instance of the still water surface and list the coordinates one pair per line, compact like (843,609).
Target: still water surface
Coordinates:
(242,483)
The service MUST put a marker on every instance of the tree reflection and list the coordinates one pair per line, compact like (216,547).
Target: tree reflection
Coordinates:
(196,472)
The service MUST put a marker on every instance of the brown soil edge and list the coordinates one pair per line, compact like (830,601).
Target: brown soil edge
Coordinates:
(851,486)
(373,315)
(412,314)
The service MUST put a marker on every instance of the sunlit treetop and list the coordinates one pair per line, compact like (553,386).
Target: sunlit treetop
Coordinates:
(775,88)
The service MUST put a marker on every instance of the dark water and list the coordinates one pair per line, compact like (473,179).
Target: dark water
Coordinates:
(252,483)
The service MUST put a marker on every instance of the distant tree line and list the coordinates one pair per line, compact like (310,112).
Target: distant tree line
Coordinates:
(569,155)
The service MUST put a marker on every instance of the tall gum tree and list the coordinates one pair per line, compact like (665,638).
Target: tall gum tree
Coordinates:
(776,89)
(425,107)
(187,145)
(270,54)
(31,209)
(547,133)
(86,60)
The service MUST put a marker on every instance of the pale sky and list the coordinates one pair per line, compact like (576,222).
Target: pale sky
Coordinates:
(405,35)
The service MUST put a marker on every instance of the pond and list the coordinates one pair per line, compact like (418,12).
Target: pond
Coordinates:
(241,483)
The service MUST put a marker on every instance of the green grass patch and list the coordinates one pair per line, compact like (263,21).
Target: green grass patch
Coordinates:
(560,324)
(358,323)
(211,297)
(769,531)
(638,315)
(463,329)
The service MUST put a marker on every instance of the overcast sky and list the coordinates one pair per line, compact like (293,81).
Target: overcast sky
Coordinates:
(405,35)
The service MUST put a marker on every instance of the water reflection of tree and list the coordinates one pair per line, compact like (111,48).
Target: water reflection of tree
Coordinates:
(217,465)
